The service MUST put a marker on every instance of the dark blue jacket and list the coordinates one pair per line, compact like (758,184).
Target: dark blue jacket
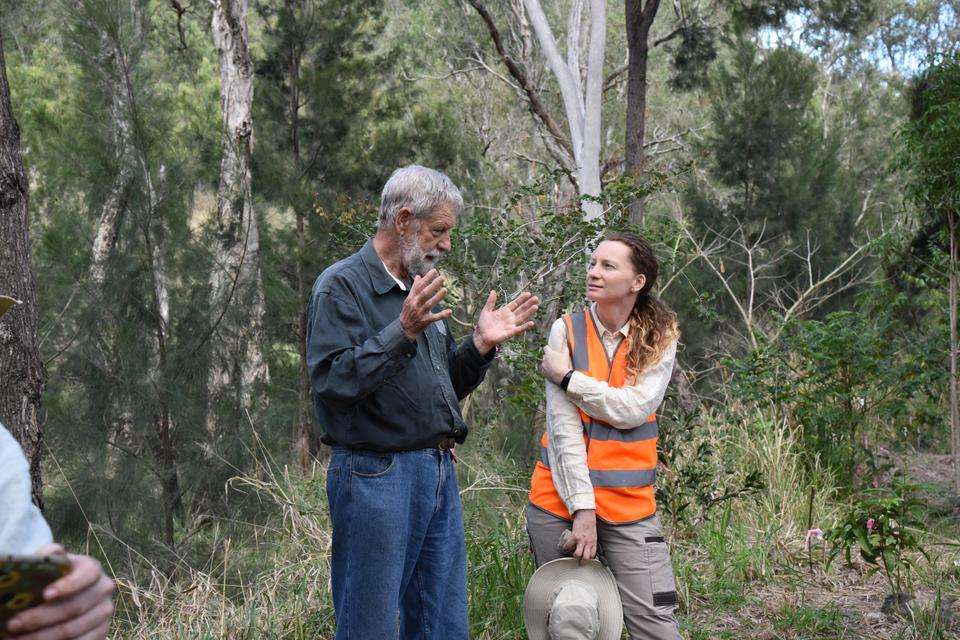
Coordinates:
(373,388)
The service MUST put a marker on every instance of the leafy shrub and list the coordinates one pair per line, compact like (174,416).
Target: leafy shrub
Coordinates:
(883,526)
(833,380)
(696,477)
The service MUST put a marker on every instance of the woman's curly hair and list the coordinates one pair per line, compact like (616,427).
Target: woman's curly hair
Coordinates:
(653,326)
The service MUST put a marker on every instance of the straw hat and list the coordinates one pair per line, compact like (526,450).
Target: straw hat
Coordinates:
(566,601)
(7,303)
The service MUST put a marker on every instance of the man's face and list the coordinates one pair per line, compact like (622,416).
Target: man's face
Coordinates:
(426,240)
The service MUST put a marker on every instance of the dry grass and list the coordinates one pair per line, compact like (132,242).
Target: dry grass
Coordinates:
(225,600)
(744,573)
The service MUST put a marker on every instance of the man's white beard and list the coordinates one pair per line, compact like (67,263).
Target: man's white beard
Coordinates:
(415,260)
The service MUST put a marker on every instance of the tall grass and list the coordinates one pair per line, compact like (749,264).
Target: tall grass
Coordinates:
(272,581)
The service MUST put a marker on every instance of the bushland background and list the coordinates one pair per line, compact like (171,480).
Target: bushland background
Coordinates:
(190,166)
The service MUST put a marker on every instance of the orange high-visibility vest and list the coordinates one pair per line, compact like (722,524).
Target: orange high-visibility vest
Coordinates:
(622,462)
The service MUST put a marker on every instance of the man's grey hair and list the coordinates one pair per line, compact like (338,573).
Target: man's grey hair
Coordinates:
(419,189)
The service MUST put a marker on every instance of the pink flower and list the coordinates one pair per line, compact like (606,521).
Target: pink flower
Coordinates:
(870,524)
(811,534)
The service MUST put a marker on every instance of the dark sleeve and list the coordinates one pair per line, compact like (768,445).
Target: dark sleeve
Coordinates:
(467,366)
(344,363)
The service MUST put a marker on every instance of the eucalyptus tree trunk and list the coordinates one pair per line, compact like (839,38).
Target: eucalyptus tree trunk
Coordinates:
(236,290)
(582,105)
(640,19)
(22,374)
(164,442)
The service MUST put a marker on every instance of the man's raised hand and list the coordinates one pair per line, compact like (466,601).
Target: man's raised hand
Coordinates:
(417,312)
(497,325)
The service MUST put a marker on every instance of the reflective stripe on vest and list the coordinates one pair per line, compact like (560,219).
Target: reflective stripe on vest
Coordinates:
(612,478)
(622,462)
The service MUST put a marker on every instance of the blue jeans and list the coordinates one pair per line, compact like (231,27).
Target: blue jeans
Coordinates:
(399,556)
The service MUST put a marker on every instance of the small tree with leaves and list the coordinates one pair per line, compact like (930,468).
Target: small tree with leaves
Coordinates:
(930,151)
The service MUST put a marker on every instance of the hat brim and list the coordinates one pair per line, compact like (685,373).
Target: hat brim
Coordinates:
(540,591)
(7,303)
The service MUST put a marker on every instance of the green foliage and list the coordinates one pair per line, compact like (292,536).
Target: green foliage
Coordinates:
(500,564)
(770,183)
(931,140)
(697,478)
(838,16)
(691,60)
(824,623)
(838,381)
(884,526)
(766,146)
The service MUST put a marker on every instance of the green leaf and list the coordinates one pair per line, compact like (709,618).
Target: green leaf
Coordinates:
(7,303)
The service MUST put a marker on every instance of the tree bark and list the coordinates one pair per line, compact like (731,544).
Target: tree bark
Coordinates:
(111,211)
(954,408)
(304,444)
(164,446)
(639,20)
(236,289)
(22,374)
(593,108)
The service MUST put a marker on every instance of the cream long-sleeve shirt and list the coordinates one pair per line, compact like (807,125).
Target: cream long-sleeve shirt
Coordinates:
(622,407)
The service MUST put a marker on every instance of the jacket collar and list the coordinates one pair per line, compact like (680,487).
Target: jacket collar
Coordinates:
(379,278)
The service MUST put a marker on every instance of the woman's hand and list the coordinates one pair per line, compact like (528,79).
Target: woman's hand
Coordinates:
(583,539)
(77,606)
(555,364)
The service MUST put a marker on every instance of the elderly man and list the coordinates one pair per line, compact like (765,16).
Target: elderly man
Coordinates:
(386,378)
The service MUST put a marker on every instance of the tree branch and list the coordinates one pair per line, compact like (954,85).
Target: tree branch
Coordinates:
(670,36)
(573,103)
(614,77)
(536,106)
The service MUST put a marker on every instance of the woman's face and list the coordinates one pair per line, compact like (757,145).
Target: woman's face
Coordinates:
(611,276)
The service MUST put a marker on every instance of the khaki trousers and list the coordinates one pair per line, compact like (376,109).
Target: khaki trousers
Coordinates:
(640,561)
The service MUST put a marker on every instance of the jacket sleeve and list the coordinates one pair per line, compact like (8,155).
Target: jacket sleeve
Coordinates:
(467,367)
(346,364)
(565,446)
(22,527)
(624,407)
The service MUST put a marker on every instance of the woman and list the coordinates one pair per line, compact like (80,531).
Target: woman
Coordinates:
(607,369)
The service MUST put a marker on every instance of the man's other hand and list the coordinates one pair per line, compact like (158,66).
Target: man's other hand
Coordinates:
(78,606)
(417,312)
(498,325)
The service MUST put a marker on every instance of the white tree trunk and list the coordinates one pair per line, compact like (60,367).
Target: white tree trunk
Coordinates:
(108,227)
(590,164)
(583,109)
(236,290)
